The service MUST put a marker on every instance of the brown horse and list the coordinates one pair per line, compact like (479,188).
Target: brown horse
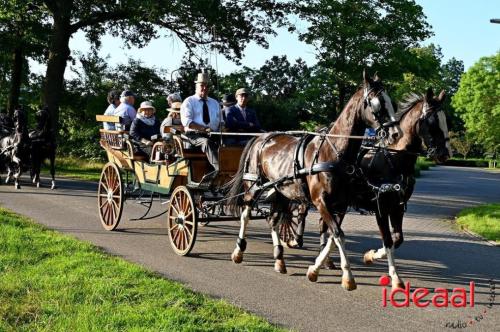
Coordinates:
(385,175)
(320,176)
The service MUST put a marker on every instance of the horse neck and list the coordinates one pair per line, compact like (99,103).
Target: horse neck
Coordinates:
(349,123)
(408,124)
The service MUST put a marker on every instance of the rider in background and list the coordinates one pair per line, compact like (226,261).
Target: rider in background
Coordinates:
(126,110)
(113,101)
(144,127)
(240,118)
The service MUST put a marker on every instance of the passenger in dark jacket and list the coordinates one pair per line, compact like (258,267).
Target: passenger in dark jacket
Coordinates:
(240,118)
(144,126)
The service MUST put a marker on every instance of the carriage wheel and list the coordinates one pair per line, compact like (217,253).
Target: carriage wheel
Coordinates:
(289,230)
(110,196)
(181,221)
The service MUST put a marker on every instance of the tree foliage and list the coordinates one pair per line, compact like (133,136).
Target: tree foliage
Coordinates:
(478,101)
(351,35)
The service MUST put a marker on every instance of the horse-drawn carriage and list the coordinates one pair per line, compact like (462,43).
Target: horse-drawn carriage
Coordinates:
(174,171)
(318,168)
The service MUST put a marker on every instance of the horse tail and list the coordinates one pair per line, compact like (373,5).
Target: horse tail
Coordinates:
(235,185)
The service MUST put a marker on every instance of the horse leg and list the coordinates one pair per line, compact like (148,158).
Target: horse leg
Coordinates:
(52,170)
(241,243)
(17,175)
(301,221)
(348,282)
(9,174)
(387,250)
(323,239)
(333,221)
(396,218)
(279,264)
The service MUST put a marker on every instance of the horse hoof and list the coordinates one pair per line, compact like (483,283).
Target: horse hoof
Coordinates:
(53,186)
(279,266)
(349,285)
(38,184)
(368,257)
(312,275)
(328,264)
(397,284)
(17,186)
(237,256)
(292,244)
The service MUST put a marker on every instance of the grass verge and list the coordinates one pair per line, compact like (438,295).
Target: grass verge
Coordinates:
(52,282)
(483,220)
(422,164)
(76,168)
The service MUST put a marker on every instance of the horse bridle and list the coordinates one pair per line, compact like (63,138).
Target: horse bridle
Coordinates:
(375,103)
(427,112)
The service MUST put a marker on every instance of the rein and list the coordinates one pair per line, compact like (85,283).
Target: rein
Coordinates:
(294,132)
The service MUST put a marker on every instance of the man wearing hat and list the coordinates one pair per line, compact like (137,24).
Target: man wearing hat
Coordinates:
(144,126)
(240,118)
(228,100)
(173,118)
(200,113)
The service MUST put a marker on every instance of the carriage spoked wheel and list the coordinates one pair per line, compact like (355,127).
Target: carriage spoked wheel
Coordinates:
(181,221)
(288,231)
(110,196)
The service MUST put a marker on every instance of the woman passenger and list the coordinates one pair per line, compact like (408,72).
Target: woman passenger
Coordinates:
(144,126)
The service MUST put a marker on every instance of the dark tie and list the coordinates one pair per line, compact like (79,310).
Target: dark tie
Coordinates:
(206,115)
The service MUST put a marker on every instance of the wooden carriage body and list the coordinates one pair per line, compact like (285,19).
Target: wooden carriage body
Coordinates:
(172,170)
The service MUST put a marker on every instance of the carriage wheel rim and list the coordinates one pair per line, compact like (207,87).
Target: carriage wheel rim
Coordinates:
(181,221)
(110,196)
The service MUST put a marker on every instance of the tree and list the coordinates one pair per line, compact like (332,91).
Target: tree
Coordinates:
(478,103)
(451,73)
(461,142)
(352,34)
(23,34)
(226,26)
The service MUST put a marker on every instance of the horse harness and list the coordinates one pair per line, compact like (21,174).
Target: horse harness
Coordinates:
(300,172)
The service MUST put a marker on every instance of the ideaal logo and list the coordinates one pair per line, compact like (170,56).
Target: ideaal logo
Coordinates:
(441,297)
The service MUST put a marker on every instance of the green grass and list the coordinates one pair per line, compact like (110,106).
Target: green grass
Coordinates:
(483,220)
(52,282)
(77,168)
(422,165)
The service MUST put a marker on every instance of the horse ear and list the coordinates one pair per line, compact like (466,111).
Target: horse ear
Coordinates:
(376,78)
(366,79)
(442,96)
(429,94)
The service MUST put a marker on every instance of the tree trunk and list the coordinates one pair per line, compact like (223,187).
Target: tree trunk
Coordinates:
(54,78)
(15,80)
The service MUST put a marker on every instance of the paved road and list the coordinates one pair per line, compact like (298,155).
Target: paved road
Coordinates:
(433,255)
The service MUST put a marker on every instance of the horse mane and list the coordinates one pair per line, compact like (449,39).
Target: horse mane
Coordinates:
(408,102)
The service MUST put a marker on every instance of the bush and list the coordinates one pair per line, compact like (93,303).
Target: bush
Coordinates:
(467,162)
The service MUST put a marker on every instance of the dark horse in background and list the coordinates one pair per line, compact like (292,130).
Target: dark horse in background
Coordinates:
(320,179)
(384,179)
(43,146)
(15,148)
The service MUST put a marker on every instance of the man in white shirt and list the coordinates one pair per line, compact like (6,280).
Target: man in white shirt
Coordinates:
(199,114)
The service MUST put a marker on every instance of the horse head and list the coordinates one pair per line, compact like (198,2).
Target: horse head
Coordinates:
(378,111)
(432,127)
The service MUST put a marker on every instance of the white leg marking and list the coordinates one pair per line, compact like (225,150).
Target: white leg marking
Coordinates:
(344,261)
(392,268)
(245,217)
(380,253)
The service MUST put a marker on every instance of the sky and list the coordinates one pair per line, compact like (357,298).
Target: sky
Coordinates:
(461,28)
